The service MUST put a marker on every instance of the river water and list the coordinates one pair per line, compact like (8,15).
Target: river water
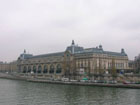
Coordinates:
(13,92)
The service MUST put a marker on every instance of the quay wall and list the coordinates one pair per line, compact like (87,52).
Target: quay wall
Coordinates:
(41,80)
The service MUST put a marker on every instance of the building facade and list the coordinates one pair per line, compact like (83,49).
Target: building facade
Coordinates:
(75,62)
(8,67)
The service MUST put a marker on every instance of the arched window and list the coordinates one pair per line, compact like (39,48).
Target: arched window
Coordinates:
(45,69)
(34,69)
(51,69)
(59,69)
(24,69)
(39,69)
(29,69)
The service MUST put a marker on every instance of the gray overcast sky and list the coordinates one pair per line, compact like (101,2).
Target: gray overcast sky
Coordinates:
(45,26)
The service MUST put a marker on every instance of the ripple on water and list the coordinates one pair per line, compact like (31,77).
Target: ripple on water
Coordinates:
(14,92)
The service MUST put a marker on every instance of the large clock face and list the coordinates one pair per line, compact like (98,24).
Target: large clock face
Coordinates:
(67,55)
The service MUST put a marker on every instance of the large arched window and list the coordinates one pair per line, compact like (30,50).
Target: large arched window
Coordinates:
(51,69)
(59,69)
(39,69)
(29,69)
(45,69)
(24,69)
(34,69)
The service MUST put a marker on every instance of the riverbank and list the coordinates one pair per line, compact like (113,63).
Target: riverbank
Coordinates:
(13,77)
(37,80)
(117,85)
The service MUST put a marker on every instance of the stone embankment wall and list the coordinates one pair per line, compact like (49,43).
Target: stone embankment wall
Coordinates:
(121,78)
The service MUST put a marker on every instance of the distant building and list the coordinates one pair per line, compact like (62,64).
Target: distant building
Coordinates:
(131,66)
(1,62)
(137,63)
(8,67)
(74,62)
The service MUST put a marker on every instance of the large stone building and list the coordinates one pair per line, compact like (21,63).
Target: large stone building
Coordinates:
(75,62)
(8,67)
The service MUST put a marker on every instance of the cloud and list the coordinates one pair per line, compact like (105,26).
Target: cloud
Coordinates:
(42,26)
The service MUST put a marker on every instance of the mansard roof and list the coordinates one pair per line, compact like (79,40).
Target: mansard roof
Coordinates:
(75,49)
(48,55)
(115,53)
(78,50)
(100,51)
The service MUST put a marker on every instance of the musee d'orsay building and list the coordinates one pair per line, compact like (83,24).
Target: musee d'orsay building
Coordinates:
(73,62)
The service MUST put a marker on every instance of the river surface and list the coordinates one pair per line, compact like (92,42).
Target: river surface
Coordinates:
(14,92)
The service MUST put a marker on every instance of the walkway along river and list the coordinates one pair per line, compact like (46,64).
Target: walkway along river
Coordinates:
(29,79)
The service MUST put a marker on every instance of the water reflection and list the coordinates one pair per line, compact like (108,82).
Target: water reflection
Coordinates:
(26,93)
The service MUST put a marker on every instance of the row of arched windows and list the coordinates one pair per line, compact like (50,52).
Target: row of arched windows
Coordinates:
(45,69)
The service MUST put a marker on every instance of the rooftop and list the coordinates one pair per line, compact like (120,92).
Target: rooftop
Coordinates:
(75,49)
